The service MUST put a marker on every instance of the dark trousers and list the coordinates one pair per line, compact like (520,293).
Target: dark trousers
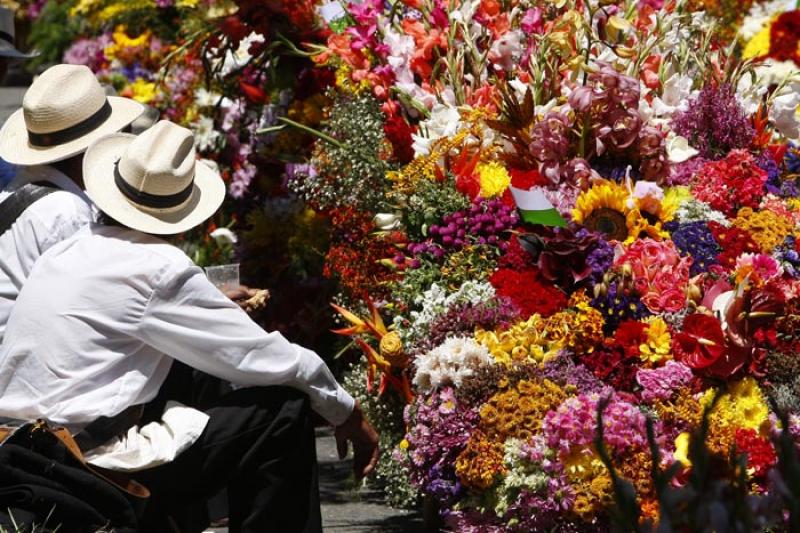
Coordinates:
(259,443)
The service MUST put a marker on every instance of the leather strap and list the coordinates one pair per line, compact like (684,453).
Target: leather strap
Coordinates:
(21,199)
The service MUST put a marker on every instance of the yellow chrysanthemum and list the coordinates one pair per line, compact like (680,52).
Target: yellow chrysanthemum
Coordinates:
(659,341)
(494,179)
(123,42)
(758,46)
(142,91)
(743,406)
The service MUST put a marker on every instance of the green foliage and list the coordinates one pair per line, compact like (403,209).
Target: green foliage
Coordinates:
(430,202)
(52,33)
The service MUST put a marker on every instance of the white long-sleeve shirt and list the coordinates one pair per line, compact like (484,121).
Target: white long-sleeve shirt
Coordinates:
(46,222)
(102,316)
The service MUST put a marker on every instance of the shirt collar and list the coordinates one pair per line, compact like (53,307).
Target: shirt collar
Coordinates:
(49,174)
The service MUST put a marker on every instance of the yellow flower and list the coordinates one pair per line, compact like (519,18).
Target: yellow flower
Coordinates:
(494,179)
(759,45)
(142,90)
(682,449)
(743,406)
(603,208)
(659,341)
(391,347)
(123,42)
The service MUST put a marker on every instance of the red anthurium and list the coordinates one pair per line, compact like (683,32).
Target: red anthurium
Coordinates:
(701,342)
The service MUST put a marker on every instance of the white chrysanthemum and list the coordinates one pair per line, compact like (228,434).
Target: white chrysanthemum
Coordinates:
(449,363)
(205,135)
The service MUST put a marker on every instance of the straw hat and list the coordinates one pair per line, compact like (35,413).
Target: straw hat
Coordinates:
(63,111)
(153,182)
(7,37)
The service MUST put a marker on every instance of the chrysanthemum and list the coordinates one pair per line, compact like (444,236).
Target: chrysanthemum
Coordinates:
(494,179)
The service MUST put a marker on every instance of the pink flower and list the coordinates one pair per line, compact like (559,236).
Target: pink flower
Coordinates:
(672,301)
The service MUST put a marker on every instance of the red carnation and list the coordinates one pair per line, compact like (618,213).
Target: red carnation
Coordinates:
(527,293)
(398,131)
(759,451)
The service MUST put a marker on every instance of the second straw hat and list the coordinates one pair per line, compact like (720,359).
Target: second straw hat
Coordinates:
(154,182)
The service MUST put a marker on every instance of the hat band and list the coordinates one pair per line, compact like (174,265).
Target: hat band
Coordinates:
(73,132)
(7,37)
(156,201)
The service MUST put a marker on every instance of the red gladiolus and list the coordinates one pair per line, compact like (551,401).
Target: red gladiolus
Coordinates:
(254,94)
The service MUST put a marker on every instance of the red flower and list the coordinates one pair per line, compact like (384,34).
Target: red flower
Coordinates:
(235,29)
(525,179)
(701,346)
(629,336)
(527,293)
(399,132)
(254,94)
(759,451)
(733,242)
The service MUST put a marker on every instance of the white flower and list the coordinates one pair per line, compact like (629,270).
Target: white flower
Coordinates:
(239,58)
(206,98)
(205,136)
(507,50)
(387,221)
(224,236)
(445,121)
(678,149)
(783,112)
(448,364)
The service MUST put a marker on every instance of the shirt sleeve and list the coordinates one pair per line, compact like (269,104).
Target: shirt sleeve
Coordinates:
(191,320)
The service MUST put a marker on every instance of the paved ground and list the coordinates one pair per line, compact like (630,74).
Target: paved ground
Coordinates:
(10,100)
(345,508)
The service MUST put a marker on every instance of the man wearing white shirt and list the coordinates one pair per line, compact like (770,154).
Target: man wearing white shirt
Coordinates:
(105,314)
(63,111)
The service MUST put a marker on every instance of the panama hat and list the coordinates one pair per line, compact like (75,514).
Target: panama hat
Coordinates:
(63,111)
(152,182)
(7,48)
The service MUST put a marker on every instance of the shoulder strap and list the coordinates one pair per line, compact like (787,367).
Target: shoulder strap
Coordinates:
(13,206)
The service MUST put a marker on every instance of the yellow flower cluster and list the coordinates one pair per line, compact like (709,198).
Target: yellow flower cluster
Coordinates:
(743,406)
(424,167)
(682,408)
(344,81)
(767,228)
(311,111)
(758,46)
(578,328)
(590,482)
(518,411)
(478,465)
(658,347)
(122,43)
(494,179)
(637,468)
(142,91)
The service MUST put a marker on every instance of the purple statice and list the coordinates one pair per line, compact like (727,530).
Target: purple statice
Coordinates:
(135,71)
(660,383)
(439,428)
(472,521)
(574,424)
(695,240)
(683,173)
(616,305)
(88,52)
(462,319)
(163,4)
(788,256)
(483,223)
(714,122)
(600,260)
(563,371)
(792,158)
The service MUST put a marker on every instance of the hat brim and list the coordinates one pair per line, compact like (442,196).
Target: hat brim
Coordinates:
(7,50)
(15,148)
(98,177)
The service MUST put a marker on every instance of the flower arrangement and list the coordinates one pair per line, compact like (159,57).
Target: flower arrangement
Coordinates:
(580,219)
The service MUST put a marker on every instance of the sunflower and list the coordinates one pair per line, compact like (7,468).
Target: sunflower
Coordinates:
(603,209)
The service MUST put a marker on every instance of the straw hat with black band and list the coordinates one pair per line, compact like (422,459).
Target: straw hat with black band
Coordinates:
(63,112)
(152,182)
(7,37)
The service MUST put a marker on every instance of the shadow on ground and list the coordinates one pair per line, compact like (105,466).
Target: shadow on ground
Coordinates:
(347,508)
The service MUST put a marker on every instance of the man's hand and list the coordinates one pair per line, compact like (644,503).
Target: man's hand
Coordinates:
(247,298)
(356,429)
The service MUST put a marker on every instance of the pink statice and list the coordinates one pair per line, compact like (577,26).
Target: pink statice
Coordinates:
(574,424)
(89,52)
(661,383)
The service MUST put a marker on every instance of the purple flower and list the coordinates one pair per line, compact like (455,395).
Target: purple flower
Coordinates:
(617,306)
(714,122)
(89,52)
(695,240)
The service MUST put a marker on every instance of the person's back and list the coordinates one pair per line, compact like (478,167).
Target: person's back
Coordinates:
(79,299)
(46,222)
